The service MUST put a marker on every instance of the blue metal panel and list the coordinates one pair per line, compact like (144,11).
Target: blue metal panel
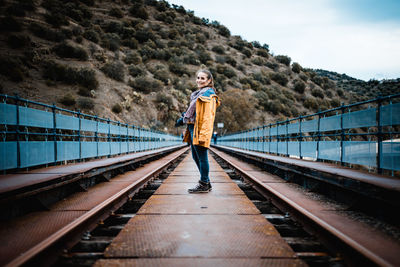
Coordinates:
(67,122)
(104,148)
(362,118)
(274,131)
(309,126)
(293,128)
(8,114)
(390,114)
(329,150)
(89,149)
(360,152)
(390,156)
(130,131)
(294,148)
(34,153)
(115,148)
(103,127)
(67,150)
(88,125)
(124,130)
(331,123)
(35,117)
(136,132)
(137,146)
(8,156)
(124,147)
(282,148)
(282,130)
(131,146)
(273,147)
(114,129)
(309,149)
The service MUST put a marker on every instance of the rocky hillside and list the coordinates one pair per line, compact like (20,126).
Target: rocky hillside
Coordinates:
(135,61)
(368,90)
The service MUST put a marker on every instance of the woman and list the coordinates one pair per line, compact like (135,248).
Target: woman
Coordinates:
(199,118)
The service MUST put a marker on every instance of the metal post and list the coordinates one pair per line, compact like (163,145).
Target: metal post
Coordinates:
(17,131)
(287,138)
(342,136)
(79,135)
(300,137)
(379,135)
(319,134)
(54,133)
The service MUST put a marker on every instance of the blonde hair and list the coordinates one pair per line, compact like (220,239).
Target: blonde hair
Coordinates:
(209,76)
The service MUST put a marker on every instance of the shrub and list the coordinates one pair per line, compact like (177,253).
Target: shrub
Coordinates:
(335,102)
(262,53)
(279,78)
(116,108)
(56,19)
(303,77)
(9,24)
(162,75)
(296,67)
(317,79)
(135,71)
(57,72)
(283,59)
(18,41)
(246,52)
(111,41)
(143,35)
(262,78)
(131,43)
(45,33)
(68,51)
(133,58)
(272,65)
(176,66)
(116,12)
(204,56)
(114,27)
(67,100)
(92,35)
(85,103)
(12,69)
(219,49)
(165,99)
(139,11)
(258,61)
(145,84)
(340,92)
(317,93)
(114,70)
(311,103)
(299,86)
(231,61)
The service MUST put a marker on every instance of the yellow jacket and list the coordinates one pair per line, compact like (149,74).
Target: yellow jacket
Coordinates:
(206,106)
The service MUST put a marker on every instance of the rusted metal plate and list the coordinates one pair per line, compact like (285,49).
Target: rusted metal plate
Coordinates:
(23,233)
(231,236)
(265,177)
(194,177)
(199,262)
(198,204)
(182,189)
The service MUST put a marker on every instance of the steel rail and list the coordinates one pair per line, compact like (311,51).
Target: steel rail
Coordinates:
(73,230)
(353,250)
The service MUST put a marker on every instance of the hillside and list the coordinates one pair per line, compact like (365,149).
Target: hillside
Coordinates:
(135,61)
(370,89)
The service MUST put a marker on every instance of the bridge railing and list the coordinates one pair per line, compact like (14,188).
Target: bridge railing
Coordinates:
(34,134)
(365,133)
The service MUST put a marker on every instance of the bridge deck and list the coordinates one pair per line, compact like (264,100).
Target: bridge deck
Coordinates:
(220,228)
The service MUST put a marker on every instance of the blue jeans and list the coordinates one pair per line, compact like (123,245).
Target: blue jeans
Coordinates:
(200,156)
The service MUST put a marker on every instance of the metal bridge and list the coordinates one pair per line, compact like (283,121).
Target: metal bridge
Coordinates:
(78,190)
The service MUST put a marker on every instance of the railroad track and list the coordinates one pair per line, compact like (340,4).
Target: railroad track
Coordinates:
(355,242)
(37,238)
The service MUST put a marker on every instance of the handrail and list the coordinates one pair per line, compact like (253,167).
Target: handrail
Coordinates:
(47,134)
(352,137)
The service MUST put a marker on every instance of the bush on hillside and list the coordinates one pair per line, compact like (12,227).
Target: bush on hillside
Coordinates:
(132,57)
(18,41)
(263,53)
(247,52)
(116,108)
(12,68)
(219,49)
(146,84)
(115,70)
(116,12)
(85,103)
(111,41)
(296,67)
(67,100)
(272,65)
(299,86)
(176,66)
(139,11)
(279,78)
(317,93)
(68,51)
(135,71)
(46,33)
(91,35)
(283,59)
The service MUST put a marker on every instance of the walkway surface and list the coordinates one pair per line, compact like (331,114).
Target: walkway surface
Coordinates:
(220,228)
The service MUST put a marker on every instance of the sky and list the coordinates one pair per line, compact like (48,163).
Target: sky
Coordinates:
(360,38)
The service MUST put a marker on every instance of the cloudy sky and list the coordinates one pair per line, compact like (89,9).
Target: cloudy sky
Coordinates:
(358,37)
